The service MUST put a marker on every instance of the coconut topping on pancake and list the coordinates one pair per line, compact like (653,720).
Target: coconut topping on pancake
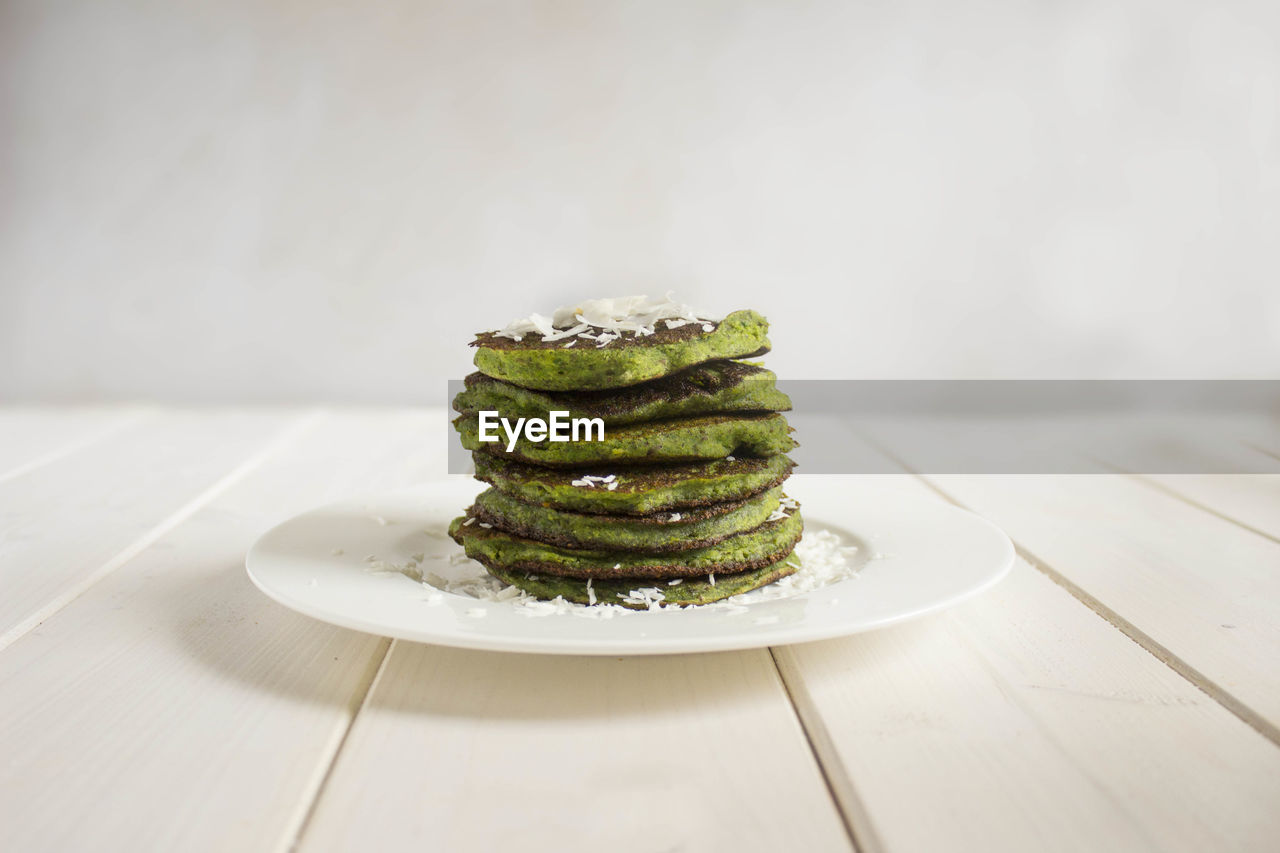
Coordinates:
(605,320)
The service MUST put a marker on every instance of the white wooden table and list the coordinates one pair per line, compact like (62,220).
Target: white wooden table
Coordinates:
(1120,690)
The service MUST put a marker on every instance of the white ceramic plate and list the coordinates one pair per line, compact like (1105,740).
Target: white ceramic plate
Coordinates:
(322,563)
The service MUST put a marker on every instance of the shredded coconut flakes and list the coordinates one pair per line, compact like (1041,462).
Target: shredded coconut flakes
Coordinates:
(638,315)
(784,504)
(590,481)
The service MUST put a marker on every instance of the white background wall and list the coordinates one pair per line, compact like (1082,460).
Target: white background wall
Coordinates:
(314,200)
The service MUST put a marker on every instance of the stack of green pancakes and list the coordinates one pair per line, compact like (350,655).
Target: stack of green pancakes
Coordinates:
(679,503)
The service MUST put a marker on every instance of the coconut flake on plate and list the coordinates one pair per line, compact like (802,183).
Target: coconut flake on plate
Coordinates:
(650,596)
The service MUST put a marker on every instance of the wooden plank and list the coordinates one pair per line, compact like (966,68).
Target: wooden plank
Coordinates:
(68,522)
(31,437)
(173,706)
(1024,721)
(459,750)
(1193,587)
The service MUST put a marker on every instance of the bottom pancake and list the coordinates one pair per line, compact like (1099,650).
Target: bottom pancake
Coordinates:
(635,593)
(753,549)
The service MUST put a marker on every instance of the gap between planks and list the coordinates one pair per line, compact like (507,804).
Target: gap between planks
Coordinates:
(853,814)
(324,771)
(1190,501)
(88,440)
(281,439)
(1261,449)
(1175,494)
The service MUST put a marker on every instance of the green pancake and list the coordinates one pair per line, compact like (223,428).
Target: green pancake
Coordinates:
(555,366)
(658,533)
(697,590)
(717,386)
(753,549)
(638,491)
(681,440)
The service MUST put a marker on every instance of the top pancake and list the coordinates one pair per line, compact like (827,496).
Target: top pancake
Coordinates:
(534,363)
